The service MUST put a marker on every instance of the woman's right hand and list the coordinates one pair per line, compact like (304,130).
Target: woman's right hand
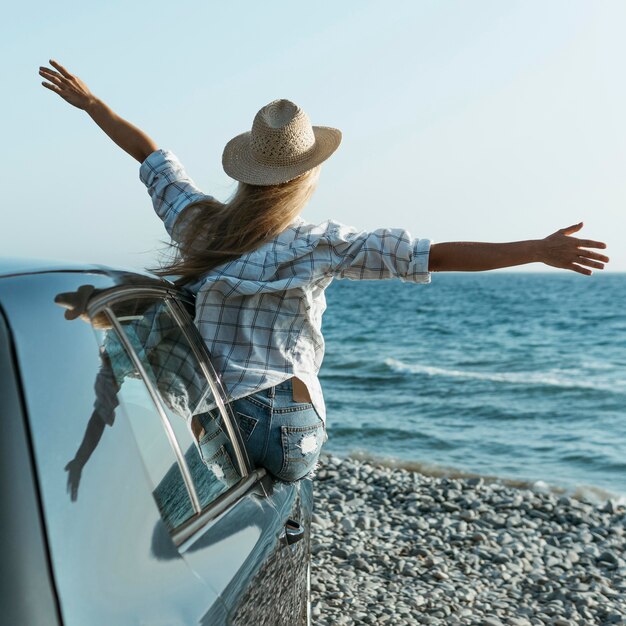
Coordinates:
(72,89)
(66,85)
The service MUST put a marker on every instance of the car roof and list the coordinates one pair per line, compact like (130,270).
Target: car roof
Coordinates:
(13,266)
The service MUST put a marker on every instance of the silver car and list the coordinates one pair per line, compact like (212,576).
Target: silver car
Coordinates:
(128,496)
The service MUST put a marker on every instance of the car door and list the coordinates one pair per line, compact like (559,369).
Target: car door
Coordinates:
(221,515)
(112,558)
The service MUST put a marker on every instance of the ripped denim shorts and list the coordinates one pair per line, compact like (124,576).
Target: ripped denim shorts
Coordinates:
(284,436)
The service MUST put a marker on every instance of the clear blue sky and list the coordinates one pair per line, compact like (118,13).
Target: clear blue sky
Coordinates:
(481,120)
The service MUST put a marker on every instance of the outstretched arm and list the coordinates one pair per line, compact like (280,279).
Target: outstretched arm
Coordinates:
(73,90)
(557,250)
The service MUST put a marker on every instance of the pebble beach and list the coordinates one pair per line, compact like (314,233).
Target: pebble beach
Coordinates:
(393,546)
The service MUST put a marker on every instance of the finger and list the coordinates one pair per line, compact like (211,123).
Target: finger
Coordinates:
(84,291)
(52,88)
(581,270)
(588,243)
(571,229)
(590,263)
(590,254)
(64,298)
(46,70)
(56,90)
(60,68)
(54,78)
(71,314)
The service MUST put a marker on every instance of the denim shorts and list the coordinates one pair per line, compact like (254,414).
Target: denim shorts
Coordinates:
(283,436)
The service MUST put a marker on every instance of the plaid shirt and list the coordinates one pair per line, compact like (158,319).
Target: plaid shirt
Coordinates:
(260,314)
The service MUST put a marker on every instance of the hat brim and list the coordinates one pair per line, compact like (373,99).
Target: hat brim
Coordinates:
(239,163)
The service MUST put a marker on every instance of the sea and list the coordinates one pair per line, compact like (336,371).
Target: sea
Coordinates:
(512,376)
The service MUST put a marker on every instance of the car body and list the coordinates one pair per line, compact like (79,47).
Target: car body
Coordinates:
(113,511)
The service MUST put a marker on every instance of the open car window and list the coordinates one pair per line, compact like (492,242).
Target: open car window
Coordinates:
(151,366)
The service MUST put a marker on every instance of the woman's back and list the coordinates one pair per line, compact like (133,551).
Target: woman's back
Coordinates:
(260,314)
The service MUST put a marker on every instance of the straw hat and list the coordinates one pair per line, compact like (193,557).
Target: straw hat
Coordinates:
(281,146)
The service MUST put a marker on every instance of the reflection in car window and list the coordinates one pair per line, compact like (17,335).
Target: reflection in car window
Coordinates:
(159,459)
(191,422)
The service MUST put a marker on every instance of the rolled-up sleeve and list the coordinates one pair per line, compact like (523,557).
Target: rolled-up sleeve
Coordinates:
(379,254)
(170,188)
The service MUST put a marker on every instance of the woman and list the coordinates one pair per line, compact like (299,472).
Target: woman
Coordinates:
(259,271)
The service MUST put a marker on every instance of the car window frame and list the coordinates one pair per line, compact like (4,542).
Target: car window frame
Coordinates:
(102,303)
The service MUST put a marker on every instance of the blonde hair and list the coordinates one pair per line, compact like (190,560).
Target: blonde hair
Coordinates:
(216,232)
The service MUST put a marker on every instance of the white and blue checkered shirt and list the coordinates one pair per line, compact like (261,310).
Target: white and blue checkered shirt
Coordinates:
(260,314)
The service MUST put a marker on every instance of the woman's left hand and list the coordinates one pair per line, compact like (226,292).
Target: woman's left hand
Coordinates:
(561,250)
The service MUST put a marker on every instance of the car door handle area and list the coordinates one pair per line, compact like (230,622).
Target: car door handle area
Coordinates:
(292,532)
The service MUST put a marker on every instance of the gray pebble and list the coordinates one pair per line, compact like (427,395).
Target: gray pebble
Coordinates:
(396,547)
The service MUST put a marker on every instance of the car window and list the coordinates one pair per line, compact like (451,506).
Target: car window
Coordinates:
(179,428)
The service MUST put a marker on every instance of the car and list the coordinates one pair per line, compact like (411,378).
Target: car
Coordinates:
(128,496)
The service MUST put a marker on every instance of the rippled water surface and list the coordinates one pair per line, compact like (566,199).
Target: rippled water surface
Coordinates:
(520,376)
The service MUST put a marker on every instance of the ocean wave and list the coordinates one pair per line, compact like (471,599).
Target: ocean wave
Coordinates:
(389,434)
(551,379)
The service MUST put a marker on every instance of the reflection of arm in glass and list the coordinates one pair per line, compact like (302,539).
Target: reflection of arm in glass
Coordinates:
(106,388)
(95,427)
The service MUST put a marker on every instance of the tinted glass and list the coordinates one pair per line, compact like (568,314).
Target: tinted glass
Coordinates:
(119,383)
(189,410)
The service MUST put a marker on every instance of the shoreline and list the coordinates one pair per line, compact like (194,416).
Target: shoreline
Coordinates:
(395,546)
(591,493)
